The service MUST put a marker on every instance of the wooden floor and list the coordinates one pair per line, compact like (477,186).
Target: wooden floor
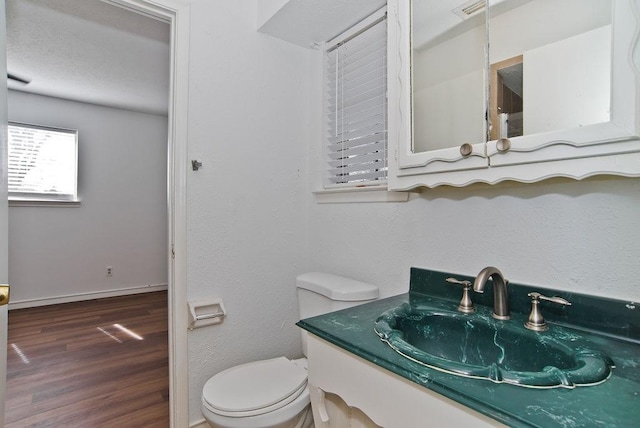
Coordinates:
(100,363)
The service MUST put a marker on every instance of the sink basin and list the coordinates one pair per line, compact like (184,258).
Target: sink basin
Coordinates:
(478,346)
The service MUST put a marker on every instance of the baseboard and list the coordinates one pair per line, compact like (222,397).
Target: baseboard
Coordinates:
(21,304)
(200,424)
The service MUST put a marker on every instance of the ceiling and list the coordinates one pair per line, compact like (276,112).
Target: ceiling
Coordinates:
(308,23)
(89,51)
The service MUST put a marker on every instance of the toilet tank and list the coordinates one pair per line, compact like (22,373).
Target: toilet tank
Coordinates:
(320,293)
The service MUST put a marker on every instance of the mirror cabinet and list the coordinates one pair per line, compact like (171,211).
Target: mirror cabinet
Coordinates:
(520,90)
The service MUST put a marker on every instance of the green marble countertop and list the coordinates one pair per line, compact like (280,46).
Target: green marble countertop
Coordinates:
(614,403)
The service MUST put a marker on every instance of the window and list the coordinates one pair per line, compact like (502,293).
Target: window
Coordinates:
(356,105)
(43,163)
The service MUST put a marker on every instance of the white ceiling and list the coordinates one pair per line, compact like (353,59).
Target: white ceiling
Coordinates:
(310,22)
(89,51)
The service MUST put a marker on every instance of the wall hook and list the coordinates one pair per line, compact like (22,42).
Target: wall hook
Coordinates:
(195,165)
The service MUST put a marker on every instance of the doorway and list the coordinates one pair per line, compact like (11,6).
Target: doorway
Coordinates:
(176,13)
(506,98)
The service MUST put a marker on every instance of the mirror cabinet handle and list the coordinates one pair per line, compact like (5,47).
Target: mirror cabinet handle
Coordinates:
(466,149)
(503,145)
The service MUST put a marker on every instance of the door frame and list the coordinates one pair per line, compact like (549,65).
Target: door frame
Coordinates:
(4,210)
(177,14)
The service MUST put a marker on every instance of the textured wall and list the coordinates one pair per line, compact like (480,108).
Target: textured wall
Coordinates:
(253,223)
(122,219)
(247,206)
(579,236)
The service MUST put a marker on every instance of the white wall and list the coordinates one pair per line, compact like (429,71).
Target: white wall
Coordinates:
(568,235)
(253,223)
(246,208)
(122,220)
(582,236)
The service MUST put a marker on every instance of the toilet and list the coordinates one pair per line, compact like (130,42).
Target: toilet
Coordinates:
(273,393)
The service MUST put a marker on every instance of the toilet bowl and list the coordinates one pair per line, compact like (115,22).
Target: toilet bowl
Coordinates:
(267,394)
(274,393)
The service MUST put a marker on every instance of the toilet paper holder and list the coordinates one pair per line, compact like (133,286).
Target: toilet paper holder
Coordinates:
(206,312)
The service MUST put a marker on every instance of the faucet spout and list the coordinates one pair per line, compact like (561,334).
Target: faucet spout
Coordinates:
(500,296)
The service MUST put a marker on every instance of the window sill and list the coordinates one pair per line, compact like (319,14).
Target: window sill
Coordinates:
(359,195)
(43,203)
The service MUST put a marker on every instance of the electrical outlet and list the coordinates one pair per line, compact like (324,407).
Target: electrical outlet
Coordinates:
(109,271)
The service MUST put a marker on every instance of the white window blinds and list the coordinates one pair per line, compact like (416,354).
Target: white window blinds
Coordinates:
(356,87)
(42,163)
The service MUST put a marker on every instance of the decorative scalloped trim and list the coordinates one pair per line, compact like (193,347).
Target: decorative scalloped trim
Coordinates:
(536,179)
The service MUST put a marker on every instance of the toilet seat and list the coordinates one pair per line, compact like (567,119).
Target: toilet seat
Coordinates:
(254,388)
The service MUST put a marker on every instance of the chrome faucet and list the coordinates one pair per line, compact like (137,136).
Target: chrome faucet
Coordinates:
(500,296)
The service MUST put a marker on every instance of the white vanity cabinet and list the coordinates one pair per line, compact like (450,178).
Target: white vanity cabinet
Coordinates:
(581,93)
(371,396)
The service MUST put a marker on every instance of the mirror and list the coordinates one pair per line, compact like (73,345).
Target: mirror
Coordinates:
(448,96)
(559,78)
(548,69)
(549,65)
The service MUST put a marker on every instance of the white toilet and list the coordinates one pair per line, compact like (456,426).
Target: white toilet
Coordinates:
(273,393)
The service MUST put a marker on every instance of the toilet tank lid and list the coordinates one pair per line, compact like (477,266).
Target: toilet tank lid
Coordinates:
(337,287)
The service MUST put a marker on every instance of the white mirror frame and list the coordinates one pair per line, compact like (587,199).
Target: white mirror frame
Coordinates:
(610,148)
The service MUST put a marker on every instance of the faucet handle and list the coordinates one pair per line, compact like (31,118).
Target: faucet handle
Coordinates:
(555,299)
(536,321)
(457,281)
(466,305)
